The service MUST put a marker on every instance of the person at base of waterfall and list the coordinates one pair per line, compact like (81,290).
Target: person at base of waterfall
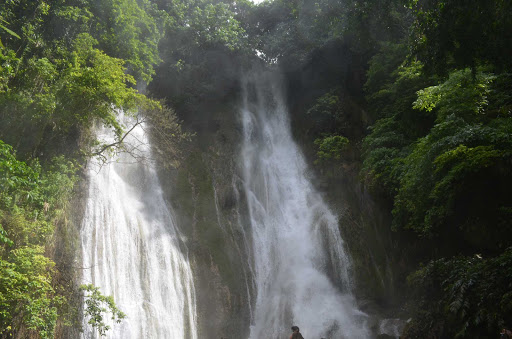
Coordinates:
(296,334)
(505,334)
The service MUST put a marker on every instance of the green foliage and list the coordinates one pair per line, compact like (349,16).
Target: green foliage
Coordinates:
(7,30)
(32,195)
(96,85)
(292,30)
(20,184)
(394,95)
(327,114)
(465,146)
(448,35)
(463,94)
(203,48)
(96,305)
(130,30)
(31,200)
(4,240)
(58,78)
(426,168)
(216,24)
(327,104)
(64,65)
(204,24)
(426,176)
(384,68)
(440,150)
(390,94)
(330,148)
(27,298)
(463,297)
(126,29)
(169,140)
(8,62)
(384,151)
(441,165)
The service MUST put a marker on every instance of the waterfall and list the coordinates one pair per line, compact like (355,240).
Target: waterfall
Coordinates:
(300,265)
(132,249)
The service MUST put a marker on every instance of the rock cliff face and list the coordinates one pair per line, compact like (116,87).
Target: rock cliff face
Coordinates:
(205,192)
(364,224)
(207,195)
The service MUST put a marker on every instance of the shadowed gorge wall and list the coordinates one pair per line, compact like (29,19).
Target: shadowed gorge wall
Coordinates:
(208,197)
(205,193)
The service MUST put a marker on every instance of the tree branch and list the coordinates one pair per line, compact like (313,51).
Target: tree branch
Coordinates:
(118,142)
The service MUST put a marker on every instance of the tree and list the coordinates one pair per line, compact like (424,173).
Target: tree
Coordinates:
(130,30)
(7,30)
(203,49)
(31,200)
(448,35)
(467,297)
(96,306)
(391,93)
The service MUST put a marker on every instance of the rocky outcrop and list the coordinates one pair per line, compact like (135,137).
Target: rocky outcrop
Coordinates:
(205,195)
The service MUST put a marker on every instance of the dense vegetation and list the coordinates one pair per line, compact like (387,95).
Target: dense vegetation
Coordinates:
(440,150)
(32,202)
(417,93)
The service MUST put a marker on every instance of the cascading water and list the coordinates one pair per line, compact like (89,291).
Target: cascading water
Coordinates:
(131,248)
(301,268)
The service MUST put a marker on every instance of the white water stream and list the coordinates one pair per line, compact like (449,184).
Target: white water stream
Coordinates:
(131,248)
(300,265)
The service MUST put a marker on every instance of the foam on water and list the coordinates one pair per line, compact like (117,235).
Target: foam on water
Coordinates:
(131,248)
(302,272)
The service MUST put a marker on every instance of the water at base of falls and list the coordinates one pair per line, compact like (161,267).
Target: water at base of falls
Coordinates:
(131,248)
(302,273)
